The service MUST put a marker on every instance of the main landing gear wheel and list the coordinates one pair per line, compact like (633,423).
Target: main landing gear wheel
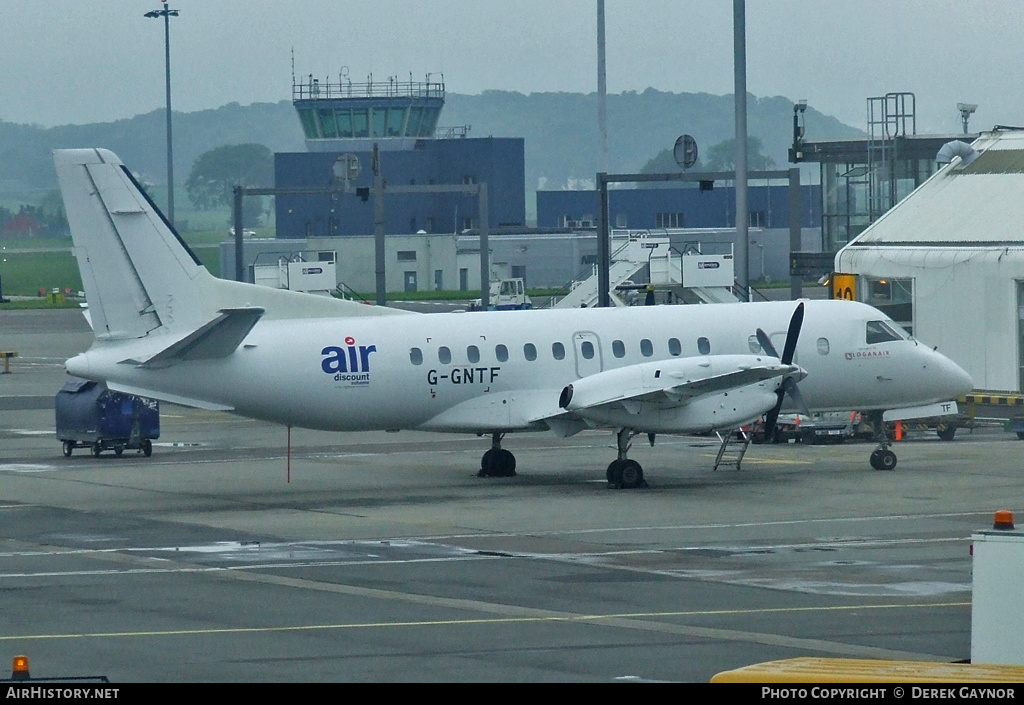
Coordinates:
(147,447)
(625,474)
(883,459)
(96,449)
(69,447)
(497,462)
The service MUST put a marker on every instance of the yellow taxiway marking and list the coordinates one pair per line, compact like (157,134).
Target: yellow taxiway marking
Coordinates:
(629,620)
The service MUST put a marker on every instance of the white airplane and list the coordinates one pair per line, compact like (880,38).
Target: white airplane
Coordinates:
(165,328)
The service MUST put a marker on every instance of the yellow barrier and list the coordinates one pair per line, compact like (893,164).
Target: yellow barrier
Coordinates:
(838,670)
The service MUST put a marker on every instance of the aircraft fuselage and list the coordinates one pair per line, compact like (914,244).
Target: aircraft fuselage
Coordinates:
(482,371)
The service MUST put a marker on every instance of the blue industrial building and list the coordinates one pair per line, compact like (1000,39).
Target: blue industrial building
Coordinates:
(683,207)
(343,121)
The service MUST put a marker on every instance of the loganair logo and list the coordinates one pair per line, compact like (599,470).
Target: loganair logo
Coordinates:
(349,364)
(860,354)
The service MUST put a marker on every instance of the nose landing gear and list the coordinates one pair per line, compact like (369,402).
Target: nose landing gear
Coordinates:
(881,458)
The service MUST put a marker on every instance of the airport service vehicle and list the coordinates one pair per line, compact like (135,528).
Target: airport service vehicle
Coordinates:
(506,295)
(89,415)
(167,329)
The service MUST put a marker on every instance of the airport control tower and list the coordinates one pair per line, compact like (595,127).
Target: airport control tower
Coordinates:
(342,121)
(347,116)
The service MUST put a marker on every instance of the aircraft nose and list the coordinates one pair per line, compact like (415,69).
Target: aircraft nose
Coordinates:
(956,378)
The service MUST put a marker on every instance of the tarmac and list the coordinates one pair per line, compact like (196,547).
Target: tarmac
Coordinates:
(230,556)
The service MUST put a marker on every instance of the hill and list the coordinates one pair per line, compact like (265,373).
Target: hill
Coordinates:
(560,132)
(27,165)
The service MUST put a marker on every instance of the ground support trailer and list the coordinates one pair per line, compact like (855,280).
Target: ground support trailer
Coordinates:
(91,416)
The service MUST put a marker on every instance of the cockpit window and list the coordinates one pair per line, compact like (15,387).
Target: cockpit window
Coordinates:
(881,332)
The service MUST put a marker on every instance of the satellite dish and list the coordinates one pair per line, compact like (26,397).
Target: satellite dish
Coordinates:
(685,151)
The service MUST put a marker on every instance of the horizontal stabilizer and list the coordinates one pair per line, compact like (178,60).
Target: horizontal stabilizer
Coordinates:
(216,339)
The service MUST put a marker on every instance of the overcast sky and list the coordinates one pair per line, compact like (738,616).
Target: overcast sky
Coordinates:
(82,61)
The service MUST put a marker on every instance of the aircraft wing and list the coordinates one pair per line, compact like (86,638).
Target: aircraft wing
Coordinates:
(680,395)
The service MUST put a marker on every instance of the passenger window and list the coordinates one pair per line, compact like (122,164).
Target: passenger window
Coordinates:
(754,344)
(675,348)
(587,349)
(473,354)
(501,352)
(558,351)
(618,348)
(823,346)
(530,352)
(416,356)
(646,348)
(444,355)
(881,332)
(703,346)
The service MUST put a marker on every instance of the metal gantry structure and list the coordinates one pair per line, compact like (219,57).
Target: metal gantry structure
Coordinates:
(603,228)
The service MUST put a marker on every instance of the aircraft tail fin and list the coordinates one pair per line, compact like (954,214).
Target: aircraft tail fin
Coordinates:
(137,272)
(140,277)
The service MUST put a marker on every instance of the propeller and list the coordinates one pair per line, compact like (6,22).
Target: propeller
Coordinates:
(788,385)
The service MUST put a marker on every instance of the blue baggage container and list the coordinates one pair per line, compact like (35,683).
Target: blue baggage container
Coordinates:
(91,416)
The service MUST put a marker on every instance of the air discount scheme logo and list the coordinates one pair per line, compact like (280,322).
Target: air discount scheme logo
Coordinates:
(349,364)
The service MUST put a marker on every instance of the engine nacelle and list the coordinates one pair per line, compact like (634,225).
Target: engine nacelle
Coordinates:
(680,395)
(715,411)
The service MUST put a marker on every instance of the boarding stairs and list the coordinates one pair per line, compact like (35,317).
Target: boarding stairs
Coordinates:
(733,448)
(692,277)
(715,294)
(630,254)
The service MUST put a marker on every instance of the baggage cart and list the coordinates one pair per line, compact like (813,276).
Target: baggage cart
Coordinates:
(91,416)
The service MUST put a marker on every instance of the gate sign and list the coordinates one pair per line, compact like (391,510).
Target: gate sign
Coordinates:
(844,286)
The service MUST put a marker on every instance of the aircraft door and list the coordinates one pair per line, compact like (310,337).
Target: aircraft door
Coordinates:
(778,339)
(588,353)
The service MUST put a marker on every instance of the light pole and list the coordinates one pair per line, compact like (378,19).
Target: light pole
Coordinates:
(167,14)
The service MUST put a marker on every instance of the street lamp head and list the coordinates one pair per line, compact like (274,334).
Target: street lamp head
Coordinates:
(966,109)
